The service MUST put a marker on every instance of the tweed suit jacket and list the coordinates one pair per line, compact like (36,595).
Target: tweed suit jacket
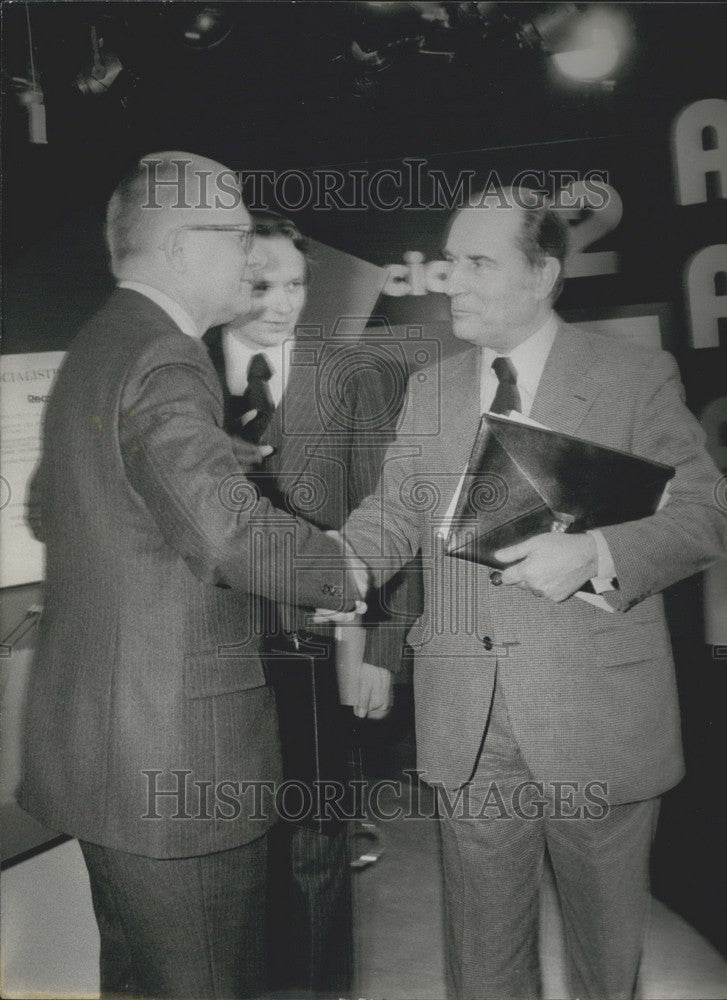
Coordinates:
(591,695)
(329,446)
(146,664)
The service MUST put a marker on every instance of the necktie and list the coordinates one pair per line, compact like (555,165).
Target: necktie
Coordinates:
(507,396)
(256,397)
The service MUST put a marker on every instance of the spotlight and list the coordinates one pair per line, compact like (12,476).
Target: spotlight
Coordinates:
(209,27)
(437,13)
(30,96)
(97,80)
(30,93)
(549,30)
(596,49)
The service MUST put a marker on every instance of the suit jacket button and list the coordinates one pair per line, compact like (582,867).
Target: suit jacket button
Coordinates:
(487,643)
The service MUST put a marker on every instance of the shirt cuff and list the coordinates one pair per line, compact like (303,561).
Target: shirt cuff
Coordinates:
(355,566)
(606,575)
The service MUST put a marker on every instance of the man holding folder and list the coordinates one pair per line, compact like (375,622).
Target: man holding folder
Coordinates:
(559,719)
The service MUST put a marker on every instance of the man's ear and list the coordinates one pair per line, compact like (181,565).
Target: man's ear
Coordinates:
(547,276)
(175,250)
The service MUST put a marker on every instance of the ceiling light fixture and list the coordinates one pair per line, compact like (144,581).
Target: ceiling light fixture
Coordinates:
(96,81)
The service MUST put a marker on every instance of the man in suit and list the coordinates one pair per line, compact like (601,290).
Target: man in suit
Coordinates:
(149,724)
(559,719)
(326,460)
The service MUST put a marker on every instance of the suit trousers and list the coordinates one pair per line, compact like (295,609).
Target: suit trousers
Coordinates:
(493,845)
(180,927)
(309,912)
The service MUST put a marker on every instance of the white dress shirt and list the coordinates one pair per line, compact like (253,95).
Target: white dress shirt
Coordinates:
(173,309)
(238,354)
(528,359)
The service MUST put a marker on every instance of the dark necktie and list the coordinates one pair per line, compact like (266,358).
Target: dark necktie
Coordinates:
(255,397)
(507,396)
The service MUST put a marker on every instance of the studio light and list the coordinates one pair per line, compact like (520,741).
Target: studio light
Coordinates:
(30,93)
(551,29)
(31,97)
(209,27)
(597,48)
(98,79)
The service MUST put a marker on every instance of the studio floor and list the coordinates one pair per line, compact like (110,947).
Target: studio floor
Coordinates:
(399,929)
(50,943)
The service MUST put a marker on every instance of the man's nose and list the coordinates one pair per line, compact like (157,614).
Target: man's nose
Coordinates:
(281,302)
(454,282)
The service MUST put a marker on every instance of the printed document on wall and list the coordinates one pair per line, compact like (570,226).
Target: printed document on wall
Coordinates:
(25,382)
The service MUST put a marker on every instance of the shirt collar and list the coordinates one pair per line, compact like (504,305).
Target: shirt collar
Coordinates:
(173,309)
(237,354)
(529,357)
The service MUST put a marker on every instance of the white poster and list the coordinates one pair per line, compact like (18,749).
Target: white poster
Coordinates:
(25,381)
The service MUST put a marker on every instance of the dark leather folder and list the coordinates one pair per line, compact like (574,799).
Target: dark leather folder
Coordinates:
(315,730)
(523,480)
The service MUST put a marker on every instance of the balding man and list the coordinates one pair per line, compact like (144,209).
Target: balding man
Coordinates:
(559,719)
(149,724)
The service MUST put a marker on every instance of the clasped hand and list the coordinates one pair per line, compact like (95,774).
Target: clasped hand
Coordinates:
(554,565)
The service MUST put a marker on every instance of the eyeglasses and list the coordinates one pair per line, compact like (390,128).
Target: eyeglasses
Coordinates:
(246,232)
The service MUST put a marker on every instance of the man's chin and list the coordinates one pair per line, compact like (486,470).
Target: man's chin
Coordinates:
(267,338)
(252,335)
(467,328)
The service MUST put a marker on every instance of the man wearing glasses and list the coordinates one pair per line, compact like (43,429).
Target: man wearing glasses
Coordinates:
(148,720)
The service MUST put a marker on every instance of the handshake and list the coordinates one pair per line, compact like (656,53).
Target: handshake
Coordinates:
(250,455)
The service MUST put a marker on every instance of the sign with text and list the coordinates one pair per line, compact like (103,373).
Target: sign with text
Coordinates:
(26,380)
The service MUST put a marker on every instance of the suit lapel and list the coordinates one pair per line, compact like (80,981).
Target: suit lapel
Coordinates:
(296,426)
(567,387)
(213,341)
(452,446)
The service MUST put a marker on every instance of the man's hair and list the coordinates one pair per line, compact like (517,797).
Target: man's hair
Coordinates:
(138,211)
(544,233)
(269,223)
